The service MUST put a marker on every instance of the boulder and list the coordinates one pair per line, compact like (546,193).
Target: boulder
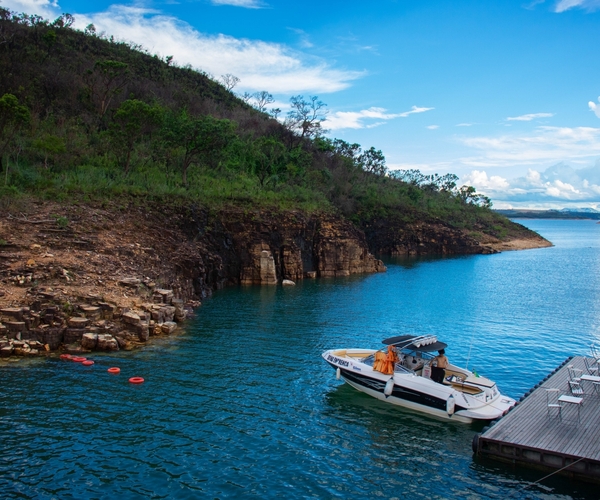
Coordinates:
(168,327)
(91,312)
(107,343)
(89,340)
(53,337)
(77,322)
(288,283)
(143,333)
(162,296)
(131,318)
(130,282)
(6,351)
(15,329)
(73,335)
(168,313)
(13,312)
(23,350)
(107,310)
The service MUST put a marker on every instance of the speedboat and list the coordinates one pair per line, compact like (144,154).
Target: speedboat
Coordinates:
(401,375)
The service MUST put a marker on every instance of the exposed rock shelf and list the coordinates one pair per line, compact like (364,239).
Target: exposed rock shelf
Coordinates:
(83,277)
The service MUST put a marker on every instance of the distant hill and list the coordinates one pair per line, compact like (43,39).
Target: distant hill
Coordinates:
(565,213)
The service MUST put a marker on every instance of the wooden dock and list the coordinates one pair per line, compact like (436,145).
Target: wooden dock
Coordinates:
(533,436)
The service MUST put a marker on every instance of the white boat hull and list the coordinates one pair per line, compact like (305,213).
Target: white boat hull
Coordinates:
(420,393)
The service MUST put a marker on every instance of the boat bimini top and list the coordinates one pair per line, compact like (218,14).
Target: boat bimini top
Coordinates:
(422,343)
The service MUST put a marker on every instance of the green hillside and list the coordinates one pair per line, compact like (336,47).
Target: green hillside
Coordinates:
(86,117)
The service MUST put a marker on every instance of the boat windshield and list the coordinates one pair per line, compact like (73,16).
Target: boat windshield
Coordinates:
(408,362)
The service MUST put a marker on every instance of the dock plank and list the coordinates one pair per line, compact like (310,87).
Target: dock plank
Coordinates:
(528,426)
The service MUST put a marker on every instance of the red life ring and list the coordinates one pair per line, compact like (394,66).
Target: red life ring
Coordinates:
(136,380)
(114,369)
(87,362)
(65,356)
(78,360)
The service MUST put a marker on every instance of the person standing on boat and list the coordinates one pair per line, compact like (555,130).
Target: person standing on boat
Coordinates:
(438,371)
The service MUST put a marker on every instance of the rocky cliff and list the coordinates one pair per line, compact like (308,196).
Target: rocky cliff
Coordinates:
(83,277)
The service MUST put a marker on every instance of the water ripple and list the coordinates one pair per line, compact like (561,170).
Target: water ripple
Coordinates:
(242,405)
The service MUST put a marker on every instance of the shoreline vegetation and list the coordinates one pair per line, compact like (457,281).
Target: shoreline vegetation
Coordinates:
(131,188)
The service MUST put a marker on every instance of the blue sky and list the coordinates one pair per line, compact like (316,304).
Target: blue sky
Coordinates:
(505,94)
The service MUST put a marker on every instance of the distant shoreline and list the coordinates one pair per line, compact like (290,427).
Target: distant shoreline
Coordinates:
(547,214)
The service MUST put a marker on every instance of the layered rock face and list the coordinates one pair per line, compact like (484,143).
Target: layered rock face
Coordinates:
(266,250)
(110,279)
(90,325)
(423,239)
(91,278)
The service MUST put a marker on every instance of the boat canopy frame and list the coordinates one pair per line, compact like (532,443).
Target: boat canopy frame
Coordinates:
(420,343)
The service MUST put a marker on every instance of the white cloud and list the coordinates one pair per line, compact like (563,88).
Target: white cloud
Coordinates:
(356,119)
(481,181)
(260,65)
(543,145)
(533,176)
(559,184)
(464,124)
(529,117)
(433,127)
(248,4)
(564,5)
(594,107)
(48,9)
(413,110)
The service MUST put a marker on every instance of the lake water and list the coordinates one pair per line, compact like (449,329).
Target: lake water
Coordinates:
(241,405)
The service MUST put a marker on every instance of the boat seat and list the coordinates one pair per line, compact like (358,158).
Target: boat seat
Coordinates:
(466,388)
(413,363)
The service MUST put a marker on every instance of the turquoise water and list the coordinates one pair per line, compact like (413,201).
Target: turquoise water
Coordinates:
(242,405)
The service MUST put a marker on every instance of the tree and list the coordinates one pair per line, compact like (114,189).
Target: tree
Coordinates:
(468,195)
(105,81)
(446,182)
(246,96)
(274,113)
(413,177)
(49,144)
(305,117)
(132,121)
(13,116)
(64,21)
(373,162)
(433,182)
(262,99)
(267,157)
(202,140)
(229,81)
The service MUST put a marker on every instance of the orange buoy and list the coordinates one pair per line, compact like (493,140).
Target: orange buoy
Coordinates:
(136,380)
(65,356)
(87,362)
(114,370)
(78,359)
